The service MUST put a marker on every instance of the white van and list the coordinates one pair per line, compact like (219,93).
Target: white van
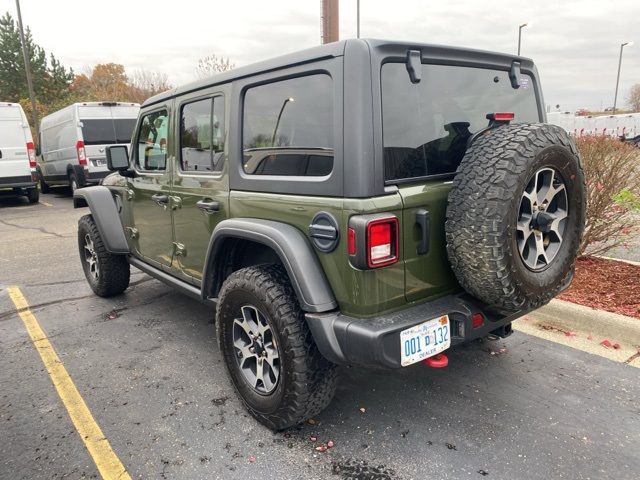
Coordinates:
(17,154)
(73,140)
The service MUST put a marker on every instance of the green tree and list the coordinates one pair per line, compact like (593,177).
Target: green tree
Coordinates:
(51,79)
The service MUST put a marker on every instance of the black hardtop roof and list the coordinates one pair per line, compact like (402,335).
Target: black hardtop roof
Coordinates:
(337,49)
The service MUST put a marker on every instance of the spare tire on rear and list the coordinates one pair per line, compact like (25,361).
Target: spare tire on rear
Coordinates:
(516,215)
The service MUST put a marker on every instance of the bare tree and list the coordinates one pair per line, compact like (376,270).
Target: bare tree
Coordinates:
(147,83)
(212,64)
(634,98)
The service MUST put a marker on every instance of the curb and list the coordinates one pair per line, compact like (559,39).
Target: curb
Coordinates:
(630,262)
(571,316)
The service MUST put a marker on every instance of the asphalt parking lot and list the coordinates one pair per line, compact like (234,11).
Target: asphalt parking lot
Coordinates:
(147,365)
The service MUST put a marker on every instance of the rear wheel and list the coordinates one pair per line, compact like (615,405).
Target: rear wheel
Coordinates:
(33,194)
(44,186)
(106,273)
(73,183)
(516,215)
(269,351)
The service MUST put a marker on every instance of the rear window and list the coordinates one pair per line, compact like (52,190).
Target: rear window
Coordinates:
(12,134)
(10,113)
(107,131)
(426,125)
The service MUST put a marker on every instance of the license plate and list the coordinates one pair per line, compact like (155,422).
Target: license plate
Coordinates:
(424,340)
(100,162)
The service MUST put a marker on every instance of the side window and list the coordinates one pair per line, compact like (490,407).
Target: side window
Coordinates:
(152,142)
(202,135)
(288,127)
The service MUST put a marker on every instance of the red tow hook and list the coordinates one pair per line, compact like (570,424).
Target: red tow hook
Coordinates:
(437,361)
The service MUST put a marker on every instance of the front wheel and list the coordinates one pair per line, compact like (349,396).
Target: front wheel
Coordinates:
(106,273)
(269,351)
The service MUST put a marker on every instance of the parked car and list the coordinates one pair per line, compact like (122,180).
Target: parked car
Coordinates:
(73,141)
(17,153)
(364,203)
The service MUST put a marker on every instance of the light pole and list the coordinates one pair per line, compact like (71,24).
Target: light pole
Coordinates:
(358,16)
(275,130)
(27,68)
(520,34)
(615,98)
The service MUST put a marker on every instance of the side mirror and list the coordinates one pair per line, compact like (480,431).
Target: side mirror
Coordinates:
(117,158)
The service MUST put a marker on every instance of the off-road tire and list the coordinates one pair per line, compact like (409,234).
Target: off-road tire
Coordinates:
(483,209)
(307,380)
(33,194)
(114,270)
(44,186)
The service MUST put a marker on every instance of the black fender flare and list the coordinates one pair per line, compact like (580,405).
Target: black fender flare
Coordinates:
(105,214)
(291,246)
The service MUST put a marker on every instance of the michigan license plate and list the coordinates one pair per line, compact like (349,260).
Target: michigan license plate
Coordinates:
(424,340)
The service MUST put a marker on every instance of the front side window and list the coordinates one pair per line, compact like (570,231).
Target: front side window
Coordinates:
(288,127)
(152,141)
(426,125)
(202,135)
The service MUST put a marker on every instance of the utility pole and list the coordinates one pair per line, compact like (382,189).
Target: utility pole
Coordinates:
(358,30)
(615,98)
(330,21)
(27,69)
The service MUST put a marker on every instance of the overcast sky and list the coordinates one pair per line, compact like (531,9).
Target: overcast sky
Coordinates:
(574,43)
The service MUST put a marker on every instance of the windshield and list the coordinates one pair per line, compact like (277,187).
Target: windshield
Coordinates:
(426,125)
(107,131)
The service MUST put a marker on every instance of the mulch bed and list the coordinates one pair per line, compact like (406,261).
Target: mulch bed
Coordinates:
(606,285)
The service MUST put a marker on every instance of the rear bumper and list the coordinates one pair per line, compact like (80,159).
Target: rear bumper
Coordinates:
(22,181)
(376,341)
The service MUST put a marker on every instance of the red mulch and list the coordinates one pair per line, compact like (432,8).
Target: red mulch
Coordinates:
(606,285)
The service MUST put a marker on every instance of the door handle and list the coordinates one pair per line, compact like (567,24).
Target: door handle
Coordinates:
(423,220)
(161,200)
(208,207)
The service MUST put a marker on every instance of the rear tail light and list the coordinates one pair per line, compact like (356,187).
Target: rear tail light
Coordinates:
(351,242)
(373,240)
(382,242)
(82,156)
(477,320)
(503,116)
(31,153)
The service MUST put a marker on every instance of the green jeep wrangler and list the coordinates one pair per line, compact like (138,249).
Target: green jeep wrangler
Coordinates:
(365,202)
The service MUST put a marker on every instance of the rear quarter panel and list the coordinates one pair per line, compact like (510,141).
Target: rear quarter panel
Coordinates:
(358,292)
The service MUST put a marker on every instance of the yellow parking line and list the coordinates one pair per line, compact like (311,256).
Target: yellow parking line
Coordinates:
(109,465)
(46,204)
